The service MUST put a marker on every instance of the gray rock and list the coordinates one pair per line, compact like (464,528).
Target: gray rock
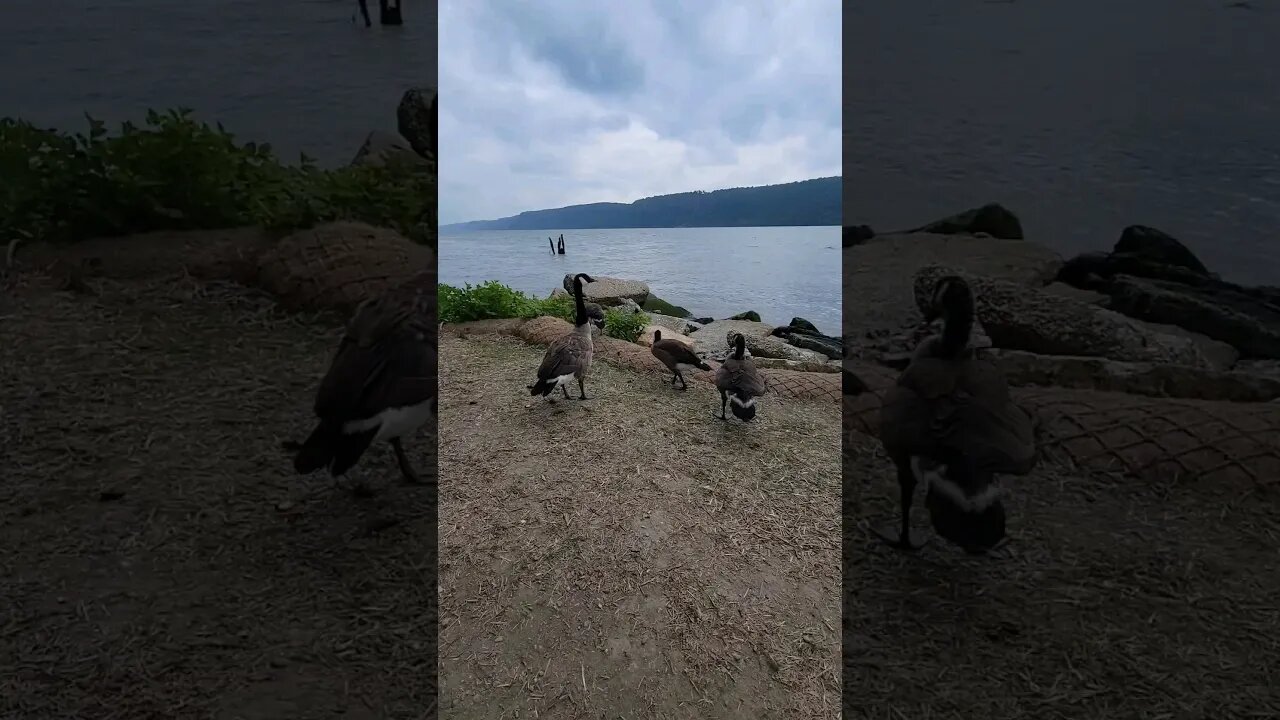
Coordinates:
(855,234)
(797,365)
(417,119)
(680,325)
(993,220)
(1159,247)
(1092,373)
(610,290)
(802,324)
(879,274)
(1086,296)
(1248,322)
(712,337)
(751,315)
(381,148)
(1020,318)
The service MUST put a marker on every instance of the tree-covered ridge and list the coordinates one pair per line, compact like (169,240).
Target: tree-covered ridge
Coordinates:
(807,202)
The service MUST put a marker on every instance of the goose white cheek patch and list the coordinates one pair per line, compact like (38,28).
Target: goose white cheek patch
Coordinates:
(935,479)
(749,402)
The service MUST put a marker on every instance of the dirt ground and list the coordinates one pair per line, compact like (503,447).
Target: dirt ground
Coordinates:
(159,557)
(632,556)
(1112,600)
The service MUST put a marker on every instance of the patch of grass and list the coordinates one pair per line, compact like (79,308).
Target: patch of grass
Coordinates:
(176,173)
(655,304)
(491,300)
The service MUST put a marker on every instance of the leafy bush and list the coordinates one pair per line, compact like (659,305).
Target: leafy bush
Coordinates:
(175,173)
(492,300)
(624,325)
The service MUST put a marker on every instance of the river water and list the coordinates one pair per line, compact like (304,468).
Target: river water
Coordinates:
(780,272)
(1083,117)
(295,73)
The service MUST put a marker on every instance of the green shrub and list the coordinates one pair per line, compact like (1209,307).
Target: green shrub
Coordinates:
(174,173)
(624,325)
(491,300)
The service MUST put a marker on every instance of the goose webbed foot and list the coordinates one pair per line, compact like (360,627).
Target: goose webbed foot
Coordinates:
(403,461)
(893,536)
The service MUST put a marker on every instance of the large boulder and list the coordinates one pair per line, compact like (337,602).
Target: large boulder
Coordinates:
(1021,318)
(417,119)
(1246,321)
(803,334)
(712,337)
(1092,373)
(675,324)
(610,290)
(992,219)
(381,148)
(1159,247)
(646,336)
(795,365)
(855,234)
(879,273)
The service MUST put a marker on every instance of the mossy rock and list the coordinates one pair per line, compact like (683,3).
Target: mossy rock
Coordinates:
(751,315)
(655,304)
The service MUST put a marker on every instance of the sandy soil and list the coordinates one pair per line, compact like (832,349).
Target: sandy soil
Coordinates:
(632,556)
(1112,600)
(158,558)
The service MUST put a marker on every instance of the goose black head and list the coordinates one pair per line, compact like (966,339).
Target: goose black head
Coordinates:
(951,296)
(964,504)
(739,346)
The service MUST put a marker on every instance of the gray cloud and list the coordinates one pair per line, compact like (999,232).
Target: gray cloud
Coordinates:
(553,104)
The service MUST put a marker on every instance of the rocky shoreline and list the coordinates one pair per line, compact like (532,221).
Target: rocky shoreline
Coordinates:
(797,345)
(1147,318)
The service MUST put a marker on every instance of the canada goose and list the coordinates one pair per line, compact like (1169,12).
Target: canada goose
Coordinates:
(569,356)
(677,357)
(595,313)
(950,423)
(739,382)
(381,384)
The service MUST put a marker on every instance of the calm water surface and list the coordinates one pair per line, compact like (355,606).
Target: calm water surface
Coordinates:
(780,272)
(1081,116)
(295,73)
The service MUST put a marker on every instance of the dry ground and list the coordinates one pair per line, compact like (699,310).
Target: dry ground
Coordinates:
(1112,600)
(149,569)
(632,556)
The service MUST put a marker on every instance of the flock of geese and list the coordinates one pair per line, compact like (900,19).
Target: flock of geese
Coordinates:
(381,383)
(950,424)
(568,358)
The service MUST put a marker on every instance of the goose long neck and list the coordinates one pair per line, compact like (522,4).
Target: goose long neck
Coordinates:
(957,326)
(580,307)
(739,345)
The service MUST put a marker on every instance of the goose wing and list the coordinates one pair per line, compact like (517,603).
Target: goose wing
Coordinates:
(567,355)
(387,358)
(740,376)
(676,351)
(939,404)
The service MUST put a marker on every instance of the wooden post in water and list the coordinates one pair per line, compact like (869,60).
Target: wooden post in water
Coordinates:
(562,243)
(389,12)
(552,243)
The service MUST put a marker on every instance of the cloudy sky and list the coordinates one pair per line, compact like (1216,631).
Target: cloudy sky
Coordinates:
(544,105)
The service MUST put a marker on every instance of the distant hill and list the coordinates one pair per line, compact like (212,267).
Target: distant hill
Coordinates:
(808,202)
